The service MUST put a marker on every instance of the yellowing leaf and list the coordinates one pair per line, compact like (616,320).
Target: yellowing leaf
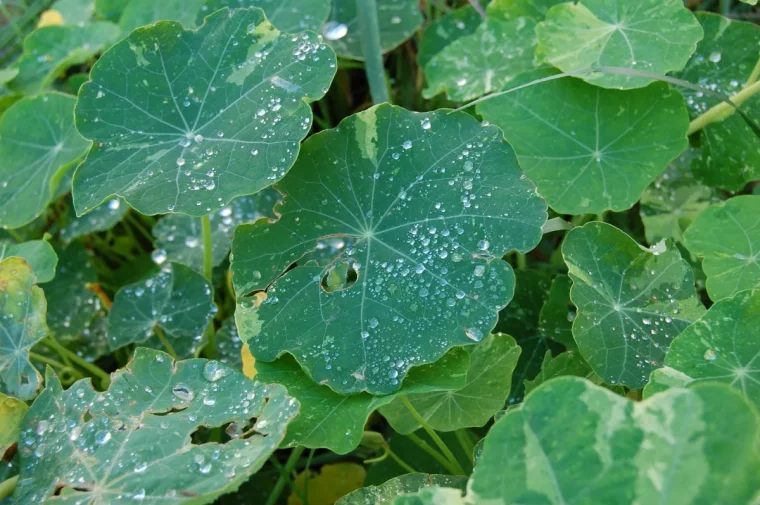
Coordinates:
(50,17)
(249,362)
(329,485)
(12,412)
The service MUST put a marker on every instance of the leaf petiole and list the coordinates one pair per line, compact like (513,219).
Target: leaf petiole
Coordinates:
(433,435)
(208,270)
(95,370)
(433,453)
(369,32)
(463,436)
(162,337)
(284,474)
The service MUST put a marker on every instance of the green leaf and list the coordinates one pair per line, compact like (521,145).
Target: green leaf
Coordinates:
(38,142)
(180,237)
(49,51)
(329,420)
(656,36)
(399,486)
(488,383)
(574,442)
(431,202)
(133,442)
(139,13)
(723,62)
(606,146)
(482,62)
(674,200)
(229,345)
(631,301)
(439,34)
(75,12)
(102,218)
(12,412)
(22,319)
(513,9)
(432,496)
(177,301)
(38,254)
(186,121)
(110,10)
(568,363)
(397,19)
(555,321)
(287,15)
(728,237)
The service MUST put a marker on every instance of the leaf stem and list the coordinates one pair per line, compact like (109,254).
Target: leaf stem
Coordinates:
(13,233)
(48,361)
(162,337)
(139,227)
(284,475)
(433,453)
(208,270)
(369,33)
(752,79)
(95,370)
(463,436)
(400,462)
(433,435)
(8,486)
(723,110)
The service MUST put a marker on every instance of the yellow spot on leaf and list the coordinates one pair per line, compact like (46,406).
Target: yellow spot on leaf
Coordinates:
(330,484)
(50,18)
(249,362)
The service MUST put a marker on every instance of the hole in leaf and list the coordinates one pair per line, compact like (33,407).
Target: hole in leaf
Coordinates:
(340,276)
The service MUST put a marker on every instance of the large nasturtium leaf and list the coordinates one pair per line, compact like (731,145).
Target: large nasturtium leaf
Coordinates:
(51,50)
(728,237)
(187,120)
(723,62)
(656,36)
(38,141)
(177,302)
(12,412)
(397,19)
(287,15)
(631,301)
(38,254)
(482,62)
(488,383)
(555,320)
(398,486)
(181,239)
(336,422)
(432,202)
(721,346)
(439,34)
(133,442)
(139,13)
(102,218)
(603,147)
(22,320)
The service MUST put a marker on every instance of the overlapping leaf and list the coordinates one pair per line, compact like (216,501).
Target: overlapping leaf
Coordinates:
(607,146)
(38,254)
(12,412)
(632,302)
(655,36)
(75,12)
(513,9)
(185,121)
(439,34)
(405,484)
(555,321)
(728,237)
(139,13)
(38,141)
(564,364)
(431,202)
(102,218)
(133,442)
(287,15)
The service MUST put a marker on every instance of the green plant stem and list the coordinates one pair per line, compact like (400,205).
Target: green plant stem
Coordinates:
(306,480)
(433,435)
(369,33)
(463,436)
(13,233)
(433,454)
(522,261)
(8,486)
(284,475)
(95,370)
(723,110)
(208,270)
(753,77)
(47,361)
(400,462)
(139,226)
(725,7)
(162,337)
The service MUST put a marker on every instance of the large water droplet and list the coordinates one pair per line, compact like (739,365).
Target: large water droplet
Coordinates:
(183,392)
(334,30)
(212,371)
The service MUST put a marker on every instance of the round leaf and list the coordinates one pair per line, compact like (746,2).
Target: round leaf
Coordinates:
(38,254)
(555,321)
(102,218)
(185,121)
(432,202)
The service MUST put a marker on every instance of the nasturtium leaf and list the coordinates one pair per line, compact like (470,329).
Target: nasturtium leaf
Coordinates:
(12,412)
(286,15)
(186,121)
(7,75)
(555,321)
(656,36)
(513,9)
(51,50)
(728,237)
(564,364)
(38,254)
(110,9)
(139,13)
(439,34)
(75,12)
(723,63)
(750,2)
(397,19)
(606,146)
(102,218)
(432,202)
(181,240)
(336,422)
(133,442)
(38,142)
(488,382)
(177,302)
(398,486)
(228,345)
(631,301)
(432,496)
(22,320)
(674,200)
(328,484)
(482,62)
(574,442)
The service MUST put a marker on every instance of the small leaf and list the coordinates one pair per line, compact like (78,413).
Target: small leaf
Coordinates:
(38,254)
(442,32)
(565,364)
(399,486)
(185,121)
(38,142)
(431,203)
(134,440)
(632,301)
(397,19)
(604,152)
(12,412)
(102,218)
(287,15)
(329,484)
(22,319)
(728,237)
(656,36)
(178,301)
(555,321)
(488,382)
(513,9)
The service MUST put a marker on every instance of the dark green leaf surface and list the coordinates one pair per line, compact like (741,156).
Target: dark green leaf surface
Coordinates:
(287,15)
(606,146)
(555,321)
(38,254)
(102,218)
(133,442)
(405,484)
(632,301)
(38,141)
(513,9)
(564,364)
(139,13)
(728,237)
(441,33)
(229,345)
(185,121)
(432,202)
(656,36)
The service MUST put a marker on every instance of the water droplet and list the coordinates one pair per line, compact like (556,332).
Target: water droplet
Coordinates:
(114,204)
(198,139)
(483,245)
(407,144)
(212,371)
(715,57)
(373,323)
(334,31)
(158,256)
(180,162)
(426,124)
(710,355)
(141,467)
(474,334)
(183,392)
(102,437)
